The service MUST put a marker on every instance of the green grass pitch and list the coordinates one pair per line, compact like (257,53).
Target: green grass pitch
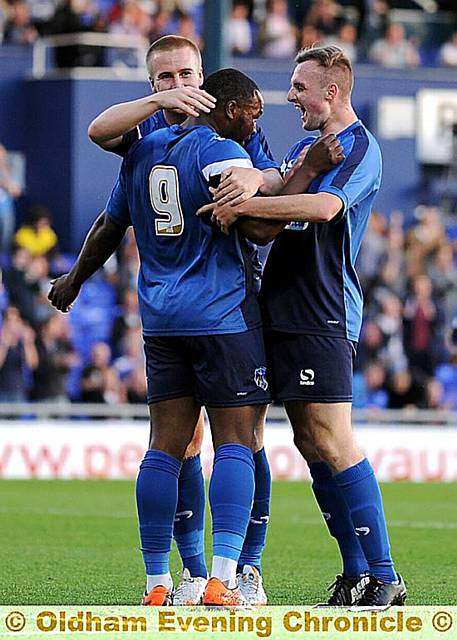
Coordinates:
(76,542)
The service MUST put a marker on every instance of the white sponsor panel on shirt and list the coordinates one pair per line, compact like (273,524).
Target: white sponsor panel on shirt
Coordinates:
(114,449)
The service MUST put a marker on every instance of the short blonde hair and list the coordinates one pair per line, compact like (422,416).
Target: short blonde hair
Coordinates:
(333,61)
(168,43)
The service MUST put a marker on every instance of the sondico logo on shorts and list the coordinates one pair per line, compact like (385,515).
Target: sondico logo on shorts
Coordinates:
(307,377)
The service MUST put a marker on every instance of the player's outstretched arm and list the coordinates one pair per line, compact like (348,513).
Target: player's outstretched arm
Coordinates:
(107,129)
(101,242)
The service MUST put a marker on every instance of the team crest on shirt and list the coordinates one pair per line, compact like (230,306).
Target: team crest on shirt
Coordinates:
(260,378)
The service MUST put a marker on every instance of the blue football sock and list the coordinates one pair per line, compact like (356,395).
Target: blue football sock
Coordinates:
(338,519)
(363,497)
(156,497)
(190,517)
(254,542)
(231,491)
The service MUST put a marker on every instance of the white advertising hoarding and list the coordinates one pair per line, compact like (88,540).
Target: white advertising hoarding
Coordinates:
(113,450)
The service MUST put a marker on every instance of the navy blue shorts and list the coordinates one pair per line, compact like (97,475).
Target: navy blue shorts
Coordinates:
(310,368)
(226,370)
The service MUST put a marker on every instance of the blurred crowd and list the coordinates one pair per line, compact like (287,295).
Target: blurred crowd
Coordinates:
(94,353)
(407,355)
(368,30)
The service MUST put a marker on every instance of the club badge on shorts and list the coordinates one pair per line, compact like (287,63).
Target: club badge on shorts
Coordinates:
(260,378)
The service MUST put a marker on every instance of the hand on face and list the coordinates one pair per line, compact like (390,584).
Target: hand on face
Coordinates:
(190,101)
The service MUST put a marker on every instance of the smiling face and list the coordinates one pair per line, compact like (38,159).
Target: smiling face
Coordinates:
(175,68)
(309,92)
(244,117)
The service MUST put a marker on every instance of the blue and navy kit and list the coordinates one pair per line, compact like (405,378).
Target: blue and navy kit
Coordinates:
(256,146)
(310,285)
(193,280)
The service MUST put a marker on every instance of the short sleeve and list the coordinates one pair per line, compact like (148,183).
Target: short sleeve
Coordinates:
(358,175)
(259,151)
(220,154)
(117,206)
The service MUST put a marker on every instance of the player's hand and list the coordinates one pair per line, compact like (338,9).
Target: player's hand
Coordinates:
(188,100)
(323,155)
(62,293)
(224,216)
(238,184)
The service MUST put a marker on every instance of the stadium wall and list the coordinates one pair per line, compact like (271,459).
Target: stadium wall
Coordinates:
(113,450)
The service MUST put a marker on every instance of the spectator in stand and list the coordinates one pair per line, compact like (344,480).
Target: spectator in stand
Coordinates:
(131,366)
(129,262)
(375,21)
(278,36)
(9,191)
(76,16)
(372,252)
(186,29)
(390,321)
(132,354)
(421,326)
(137,388)
(128,318)
(395,50)
(371,344)
(446,373)
(406,391)
(393,272)
(132,19)
(19,28)
(27,281)
(310,37)
(375,395)
(37,235)
(443,274)
(434,393)
(56,357)
(17,354)
(161,25)
(100,382)
(424,239)
(21,294)
(448,52)
(238,29)
(346,40)
(324,15)
(38,279)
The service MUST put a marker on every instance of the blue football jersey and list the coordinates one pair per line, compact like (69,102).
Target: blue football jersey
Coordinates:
(310,284)
(257,147)
(193,279)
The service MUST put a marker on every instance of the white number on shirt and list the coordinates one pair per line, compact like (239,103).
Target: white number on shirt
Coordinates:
(164,194)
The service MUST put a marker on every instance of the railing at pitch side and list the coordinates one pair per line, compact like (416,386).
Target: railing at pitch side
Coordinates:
(276,414)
